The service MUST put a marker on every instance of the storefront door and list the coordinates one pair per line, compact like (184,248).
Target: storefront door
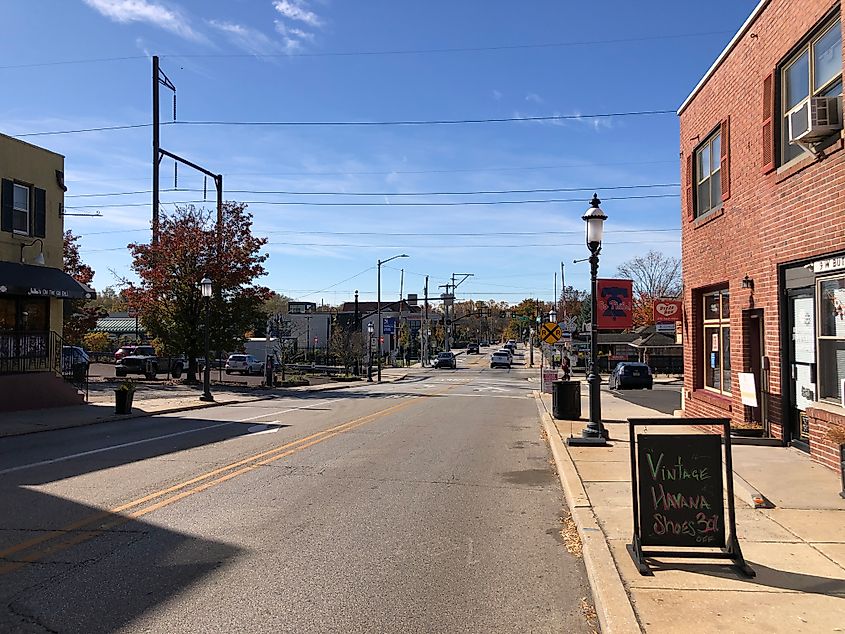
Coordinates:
(802,362)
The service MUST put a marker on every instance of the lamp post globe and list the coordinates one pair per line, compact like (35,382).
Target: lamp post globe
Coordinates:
(594,217)
(553,316)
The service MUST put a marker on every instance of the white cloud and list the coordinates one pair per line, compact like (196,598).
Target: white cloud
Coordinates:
(296,10)
(249,39)
(125,11)
(292,37)
(532,96)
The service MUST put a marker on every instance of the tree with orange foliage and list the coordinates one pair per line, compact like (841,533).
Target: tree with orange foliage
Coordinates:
(78,318)
(655,276)
(168,296)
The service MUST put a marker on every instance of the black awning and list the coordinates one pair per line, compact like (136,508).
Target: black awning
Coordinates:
(40,281)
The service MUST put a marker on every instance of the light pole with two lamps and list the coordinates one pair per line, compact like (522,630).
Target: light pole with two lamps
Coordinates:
(595,433)
(380,325)
(205,285)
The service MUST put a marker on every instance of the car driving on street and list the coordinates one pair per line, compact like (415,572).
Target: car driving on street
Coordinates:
(446,360)
(500,359)
(630,375)
(473,348)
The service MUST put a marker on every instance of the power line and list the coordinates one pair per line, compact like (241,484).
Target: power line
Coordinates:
(407,122)
(462,49)
(338,283)
(430,193)
(381,245)
(415,172)
(383,204)
(413,234)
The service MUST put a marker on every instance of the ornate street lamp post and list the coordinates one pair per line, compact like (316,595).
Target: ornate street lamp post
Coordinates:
(595,433)
(370,330)
(205,285)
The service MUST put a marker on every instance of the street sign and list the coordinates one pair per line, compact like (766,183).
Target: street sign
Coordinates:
(388,325)
(550,332)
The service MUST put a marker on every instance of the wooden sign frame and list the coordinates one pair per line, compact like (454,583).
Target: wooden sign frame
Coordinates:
(732,550)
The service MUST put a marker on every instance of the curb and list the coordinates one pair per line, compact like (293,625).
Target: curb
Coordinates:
(613,605)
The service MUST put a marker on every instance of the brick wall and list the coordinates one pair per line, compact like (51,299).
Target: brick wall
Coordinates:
(768,220)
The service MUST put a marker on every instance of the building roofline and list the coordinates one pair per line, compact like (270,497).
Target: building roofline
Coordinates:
(742,30)
(32,145)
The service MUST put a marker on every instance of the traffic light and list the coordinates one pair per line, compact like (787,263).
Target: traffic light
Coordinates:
(381,339)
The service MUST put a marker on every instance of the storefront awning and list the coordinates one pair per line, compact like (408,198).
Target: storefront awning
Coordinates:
(40,281)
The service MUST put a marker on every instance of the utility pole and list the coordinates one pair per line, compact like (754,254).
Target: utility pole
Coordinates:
(159,77)
(562,293)
(396,335)
(447,286)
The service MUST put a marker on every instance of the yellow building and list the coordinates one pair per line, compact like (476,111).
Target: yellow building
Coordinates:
(33,285)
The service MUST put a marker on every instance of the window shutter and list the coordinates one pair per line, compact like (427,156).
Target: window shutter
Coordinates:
(768,124)
(39,223)
(725,159)
(690,188)
(6,201)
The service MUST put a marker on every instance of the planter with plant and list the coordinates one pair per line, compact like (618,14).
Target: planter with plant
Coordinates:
(123,395)
(837,435)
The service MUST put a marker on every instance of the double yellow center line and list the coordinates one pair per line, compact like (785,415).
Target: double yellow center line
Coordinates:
(51,542)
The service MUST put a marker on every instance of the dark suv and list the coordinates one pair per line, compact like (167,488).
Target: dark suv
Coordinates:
(635,375)
(472,348)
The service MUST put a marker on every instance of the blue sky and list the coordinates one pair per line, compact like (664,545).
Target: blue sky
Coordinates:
(333,60)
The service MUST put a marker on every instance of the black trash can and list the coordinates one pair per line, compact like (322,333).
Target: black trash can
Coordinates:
(566,400)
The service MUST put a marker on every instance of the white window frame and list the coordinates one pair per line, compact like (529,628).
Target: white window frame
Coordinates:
(806,49)
(717,173)
(17,210)
(719,324)
(820,337)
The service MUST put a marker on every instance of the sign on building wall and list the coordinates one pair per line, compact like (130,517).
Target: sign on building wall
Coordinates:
(388,325)
(667,310)
(615,304)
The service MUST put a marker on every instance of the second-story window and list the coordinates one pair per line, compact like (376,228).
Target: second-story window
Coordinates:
(708,193)
(20,209)
(814,71)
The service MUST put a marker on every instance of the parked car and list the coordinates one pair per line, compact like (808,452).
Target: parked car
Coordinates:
(473,348)
(244,363)
(500,359)
(446,360)
(75,361)
(125,351)
(145,361)
(630,375)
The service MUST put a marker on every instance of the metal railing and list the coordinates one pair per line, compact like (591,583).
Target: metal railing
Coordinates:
(23,351)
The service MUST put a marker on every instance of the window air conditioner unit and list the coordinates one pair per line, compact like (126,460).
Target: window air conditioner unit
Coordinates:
(817,119)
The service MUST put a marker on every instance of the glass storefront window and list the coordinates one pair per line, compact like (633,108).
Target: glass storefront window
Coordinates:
(831,371)
(717,341)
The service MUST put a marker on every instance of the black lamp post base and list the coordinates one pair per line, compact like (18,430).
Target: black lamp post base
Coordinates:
(207,398)
(587,441)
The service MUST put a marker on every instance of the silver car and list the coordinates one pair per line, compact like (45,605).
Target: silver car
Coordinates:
(244,363)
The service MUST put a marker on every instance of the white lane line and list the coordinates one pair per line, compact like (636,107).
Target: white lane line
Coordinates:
(109,448)
(92,452)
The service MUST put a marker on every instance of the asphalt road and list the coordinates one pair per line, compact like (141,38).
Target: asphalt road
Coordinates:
(429,504)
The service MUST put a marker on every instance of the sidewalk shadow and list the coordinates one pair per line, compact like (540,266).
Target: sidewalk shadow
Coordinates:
(766,576)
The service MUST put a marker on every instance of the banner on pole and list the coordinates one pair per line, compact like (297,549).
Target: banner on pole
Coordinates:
(615,304)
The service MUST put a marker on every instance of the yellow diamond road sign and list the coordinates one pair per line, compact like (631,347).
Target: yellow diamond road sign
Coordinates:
(550,333)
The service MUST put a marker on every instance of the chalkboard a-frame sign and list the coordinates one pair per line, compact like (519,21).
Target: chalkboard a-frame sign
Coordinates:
(677,494)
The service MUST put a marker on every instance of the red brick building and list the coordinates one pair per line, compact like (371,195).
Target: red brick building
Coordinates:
(764,228)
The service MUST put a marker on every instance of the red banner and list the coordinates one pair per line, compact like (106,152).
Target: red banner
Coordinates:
(615,304)
(667,309)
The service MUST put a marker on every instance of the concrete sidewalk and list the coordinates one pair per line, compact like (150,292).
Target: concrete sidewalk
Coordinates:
(797,548)
(149,402)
